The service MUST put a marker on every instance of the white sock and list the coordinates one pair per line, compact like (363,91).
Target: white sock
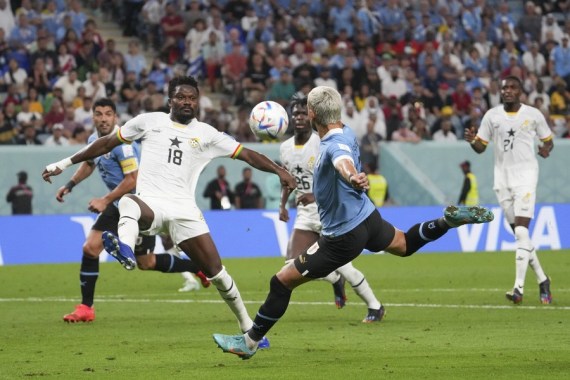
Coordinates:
(128,229)
(358,282)
(230,293)
(522,256)
(188,276)
(250,343)
(536,267)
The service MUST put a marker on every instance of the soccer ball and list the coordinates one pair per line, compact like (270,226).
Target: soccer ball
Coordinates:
(268,120)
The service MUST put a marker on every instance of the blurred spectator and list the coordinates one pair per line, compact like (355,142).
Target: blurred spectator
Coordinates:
(132,9)
(69,83)
(83,115)
(69,123)
(117,71)
(21,196)
(282,90)
(135,61)
(28,137)
(7,19)
(27,118)
(17,76)
(130,88)
(57,138)
(550,29)
(213,54)
(8,131)
(559,99)
(530,22)
(248,195)
(195,38)
(324,78)
(394,85)
(105,55)
(539,92)
(255,79)
(192,13)
(40,78)
(23,33)
(219,191)
(160,73)
(445,133)
(94,88)
(35,103)
(79,136)
(560,60)
(55,115)
(534,61)
(420,128)
(239,128)
(233,69)
(405,134)
(369,149)
(65,61)
(151,95)
(393,116)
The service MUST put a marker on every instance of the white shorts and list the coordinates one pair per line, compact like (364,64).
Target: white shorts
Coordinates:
(181,218)
(518,201)
(308,219)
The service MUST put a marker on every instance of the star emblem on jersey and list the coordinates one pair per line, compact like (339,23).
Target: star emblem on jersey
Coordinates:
(298,169)
(175,142)
(511,133)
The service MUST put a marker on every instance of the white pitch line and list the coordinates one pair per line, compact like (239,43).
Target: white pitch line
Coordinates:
(304,303)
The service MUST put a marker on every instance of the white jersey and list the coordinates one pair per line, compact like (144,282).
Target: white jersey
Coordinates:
(514,135)
(299,160)
(173,155)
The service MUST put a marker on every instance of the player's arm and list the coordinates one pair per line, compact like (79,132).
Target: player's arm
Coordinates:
(470,135)
(345,166)
(546,147)
(126,186)
(263,163)
(283,212)
(83,171)
(97,148)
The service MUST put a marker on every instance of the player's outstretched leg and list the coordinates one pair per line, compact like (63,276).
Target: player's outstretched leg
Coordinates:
(457,216)
(119,250)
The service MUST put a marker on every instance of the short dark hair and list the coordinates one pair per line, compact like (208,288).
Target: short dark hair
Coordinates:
(179,81)
(516,79)
(104,102)
(299,101)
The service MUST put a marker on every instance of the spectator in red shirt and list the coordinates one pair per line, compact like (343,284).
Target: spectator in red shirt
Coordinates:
(461,100)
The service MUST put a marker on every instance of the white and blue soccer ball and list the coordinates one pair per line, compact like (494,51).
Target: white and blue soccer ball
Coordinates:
(268,120)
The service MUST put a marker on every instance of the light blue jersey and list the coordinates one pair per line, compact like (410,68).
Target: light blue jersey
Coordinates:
(341,207)
(113,166)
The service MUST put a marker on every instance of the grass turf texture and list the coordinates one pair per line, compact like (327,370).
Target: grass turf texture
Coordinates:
(447,317)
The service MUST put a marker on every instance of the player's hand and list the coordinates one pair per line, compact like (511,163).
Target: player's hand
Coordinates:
(305,199)
(61,192)
(469,134)
(287,179)
(283,214)
(49,171)
(359,181)
(544,151)
(98,205)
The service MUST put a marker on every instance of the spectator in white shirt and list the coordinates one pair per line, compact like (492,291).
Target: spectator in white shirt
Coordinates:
(94,88)
(69,85)
(57,138)
(446,131)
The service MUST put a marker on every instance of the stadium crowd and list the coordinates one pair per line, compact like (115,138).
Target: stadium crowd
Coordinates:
(408,70)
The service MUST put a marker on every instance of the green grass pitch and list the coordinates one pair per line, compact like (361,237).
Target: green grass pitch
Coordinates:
(447,318)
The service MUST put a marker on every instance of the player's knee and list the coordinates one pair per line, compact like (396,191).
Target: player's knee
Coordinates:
(522,237)
(129,207)
(92,249)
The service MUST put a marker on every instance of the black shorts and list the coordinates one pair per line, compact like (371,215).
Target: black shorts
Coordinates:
(108,220)
(330,253)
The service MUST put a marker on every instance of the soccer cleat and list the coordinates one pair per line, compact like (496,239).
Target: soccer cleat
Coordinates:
(203,279)
(514,296)
(456,216)
(544,290)
(263,344)
(374,315)
(120,251)
(234,344)
(82,313)
(189,285)
(339,293)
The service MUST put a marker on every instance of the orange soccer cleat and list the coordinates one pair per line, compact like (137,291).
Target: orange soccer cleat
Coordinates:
(82,313)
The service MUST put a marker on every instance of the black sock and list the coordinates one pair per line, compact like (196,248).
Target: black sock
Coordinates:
(167,263)
(272,309)
(423,233)
(88,274)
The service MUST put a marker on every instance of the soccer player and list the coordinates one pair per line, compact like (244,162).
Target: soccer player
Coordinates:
(175,148)
(350,221)
(513,127)
(118,170)
(298,155)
